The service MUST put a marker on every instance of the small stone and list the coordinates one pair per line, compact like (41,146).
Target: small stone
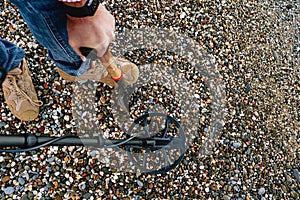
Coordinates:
(5,179)
(182,15)
(236,144)
(140,183)
(233,182)
(296,174)
(9,190)
(150,185)
(91,184)
(289,6)
(207,190)
(294,194)
(82,186)
(284,189)
(87,196)
(51,159)
(21,180)
(261,191)
(288,178)
(248,88)
(25,197)
(67,118)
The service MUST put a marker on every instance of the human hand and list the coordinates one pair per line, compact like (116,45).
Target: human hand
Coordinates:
(95,32)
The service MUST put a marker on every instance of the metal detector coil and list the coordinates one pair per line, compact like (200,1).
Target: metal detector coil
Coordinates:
(166,147)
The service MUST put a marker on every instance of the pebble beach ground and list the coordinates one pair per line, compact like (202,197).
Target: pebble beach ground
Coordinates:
(256,46)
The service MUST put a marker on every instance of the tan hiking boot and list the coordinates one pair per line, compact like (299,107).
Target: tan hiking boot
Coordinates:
(98,72)
(19,93)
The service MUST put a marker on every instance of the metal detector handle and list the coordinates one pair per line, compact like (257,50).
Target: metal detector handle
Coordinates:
(91,53)
(30,140)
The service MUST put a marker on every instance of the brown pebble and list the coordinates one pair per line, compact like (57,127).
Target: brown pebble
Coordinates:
(102,99)
(5,179)
(45,85)
(150,185)
(55,183)
(58,87)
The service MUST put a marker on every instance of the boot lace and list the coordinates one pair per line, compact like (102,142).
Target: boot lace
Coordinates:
(18,95)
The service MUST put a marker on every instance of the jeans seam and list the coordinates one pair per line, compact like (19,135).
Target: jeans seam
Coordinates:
(10,52)
(57,40)
(44,18)
(60,51)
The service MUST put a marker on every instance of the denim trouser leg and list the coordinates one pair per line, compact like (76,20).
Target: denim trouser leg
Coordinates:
(48,23)
(10,55)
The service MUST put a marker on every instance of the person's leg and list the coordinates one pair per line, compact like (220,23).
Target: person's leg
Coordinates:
(17,86)
(10,55)
(47,23)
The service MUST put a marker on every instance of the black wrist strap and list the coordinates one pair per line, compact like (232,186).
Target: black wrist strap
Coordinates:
(89,9)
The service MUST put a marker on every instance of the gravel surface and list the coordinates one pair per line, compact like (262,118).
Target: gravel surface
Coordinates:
(256,47)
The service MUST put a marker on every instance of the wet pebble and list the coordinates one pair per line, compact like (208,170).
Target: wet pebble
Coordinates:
(261,191)
(140,183)
(9,190)
(296,175)
(236,144)
(21,180)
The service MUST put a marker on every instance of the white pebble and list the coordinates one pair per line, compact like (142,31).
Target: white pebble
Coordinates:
(261,191)
(140,183)
(67,117)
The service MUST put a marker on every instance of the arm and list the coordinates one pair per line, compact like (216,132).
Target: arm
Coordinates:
(89,25)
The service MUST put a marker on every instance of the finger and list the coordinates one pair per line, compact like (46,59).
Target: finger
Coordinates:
(78,52)
(102,48)
(76,48)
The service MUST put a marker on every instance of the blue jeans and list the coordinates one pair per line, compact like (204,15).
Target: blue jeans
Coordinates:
(48,23)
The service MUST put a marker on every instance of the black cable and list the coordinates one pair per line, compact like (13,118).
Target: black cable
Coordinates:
(119,144)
